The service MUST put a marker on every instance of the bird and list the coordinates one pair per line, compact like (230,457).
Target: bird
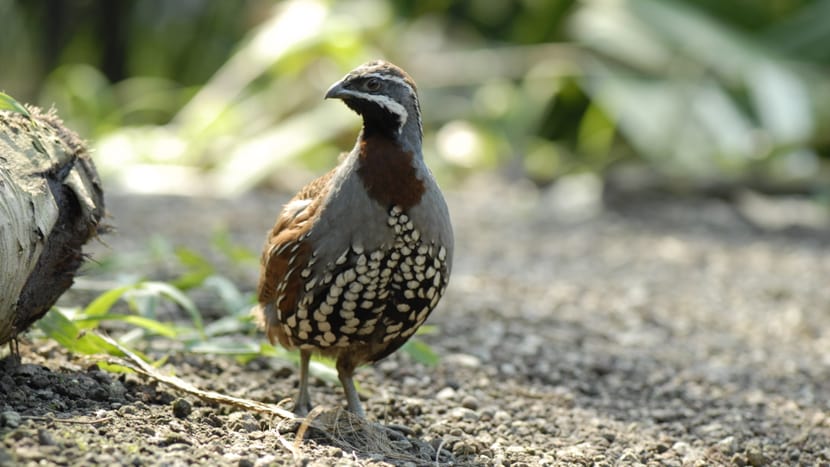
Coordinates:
(358,258)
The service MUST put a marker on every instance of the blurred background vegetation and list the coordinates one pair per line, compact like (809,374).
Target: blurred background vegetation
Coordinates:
(212,97)
(592,98)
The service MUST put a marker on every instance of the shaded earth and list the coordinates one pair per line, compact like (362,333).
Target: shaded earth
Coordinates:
(652,331)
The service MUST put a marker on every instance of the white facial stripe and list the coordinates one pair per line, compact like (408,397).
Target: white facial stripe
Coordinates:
(408,86)
(394,79)
(385,102)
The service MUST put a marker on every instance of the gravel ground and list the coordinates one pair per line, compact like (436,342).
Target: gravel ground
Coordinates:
(657,332)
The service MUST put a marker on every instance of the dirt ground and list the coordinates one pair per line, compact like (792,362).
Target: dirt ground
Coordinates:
(662,332)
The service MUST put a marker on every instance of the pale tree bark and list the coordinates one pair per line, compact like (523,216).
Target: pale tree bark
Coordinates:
(51,203)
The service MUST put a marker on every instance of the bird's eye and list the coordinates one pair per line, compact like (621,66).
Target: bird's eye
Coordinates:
(373,84)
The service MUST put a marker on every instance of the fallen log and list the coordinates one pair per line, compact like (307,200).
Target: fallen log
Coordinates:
(51,204)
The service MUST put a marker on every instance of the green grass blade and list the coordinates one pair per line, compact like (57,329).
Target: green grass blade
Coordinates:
(268,350)
(233,300)
(149,324)
(229,325)
(9,103)
(198,269)
(427,330)
(104,302)
(60,328)
(324,369)
(114,367)
(178,297)
(421,352)
(238,254)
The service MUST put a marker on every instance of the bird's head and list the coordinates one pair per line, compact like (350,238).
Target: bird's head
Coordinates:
(385,96)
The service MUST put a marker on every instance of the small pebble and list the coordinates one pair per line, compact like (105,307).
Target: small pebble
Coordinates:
(40,381)
(437,442)
(11,419)
(182,408)
(501,416)
(243,422)
(465,360)
(460,413)
(445,394)
(515,449)
(756,458)
(462,448)
(45,438)
(6,457)
(681,448)
(469,402)
(727,445)
(738,460)
(508,369)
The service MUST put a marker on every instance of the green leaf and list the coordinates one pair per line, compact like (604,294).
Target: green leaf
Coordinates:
(192,259)
(177,296)
(104,302)
(58,327)
(191,279)
(228,325)
(160,248)
(268,350)
(238,254)
(427,330)
(143,303)
(324,369)
(421,352)
(232,299)
(9,103)
(149,324)
(114,367)
(198,269)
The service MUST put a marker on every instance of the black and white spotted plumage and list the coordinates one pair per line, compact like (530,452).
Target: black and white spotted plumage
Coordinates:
(359,258)
(383,294)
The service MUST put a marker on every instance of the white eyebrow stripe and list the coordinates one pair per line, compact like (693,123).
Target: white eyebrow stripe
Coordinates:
(395,79)
(385,102)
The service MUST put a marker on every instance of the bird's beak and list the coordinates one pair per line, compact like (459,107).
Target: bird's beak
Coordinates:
(337,90)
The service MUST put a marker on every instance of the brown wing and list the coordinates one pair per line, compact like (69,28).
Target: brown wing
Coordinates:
(285,255)
(316,189)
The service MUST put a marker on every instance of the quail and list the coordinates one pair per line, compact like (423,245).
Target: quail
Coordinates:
(359,257)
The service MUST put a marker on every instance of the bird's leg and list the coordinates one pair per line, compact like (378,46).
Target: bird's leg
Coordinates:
(345,371)
(303,403)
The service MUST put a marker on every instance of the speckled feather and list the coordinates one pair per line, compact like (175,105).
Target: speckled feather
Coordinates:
(375,298)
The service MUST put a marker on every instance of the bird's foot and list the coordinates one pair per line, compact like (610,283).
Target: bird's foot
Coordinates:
(396,432)
(301,409)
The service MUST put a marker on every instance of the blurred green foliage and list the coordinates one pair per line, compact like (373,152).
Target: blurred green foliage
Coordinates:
(180,96)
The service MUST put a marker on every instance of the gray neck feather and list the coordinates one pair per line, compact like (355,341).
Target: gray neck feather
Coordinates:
(411,136)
